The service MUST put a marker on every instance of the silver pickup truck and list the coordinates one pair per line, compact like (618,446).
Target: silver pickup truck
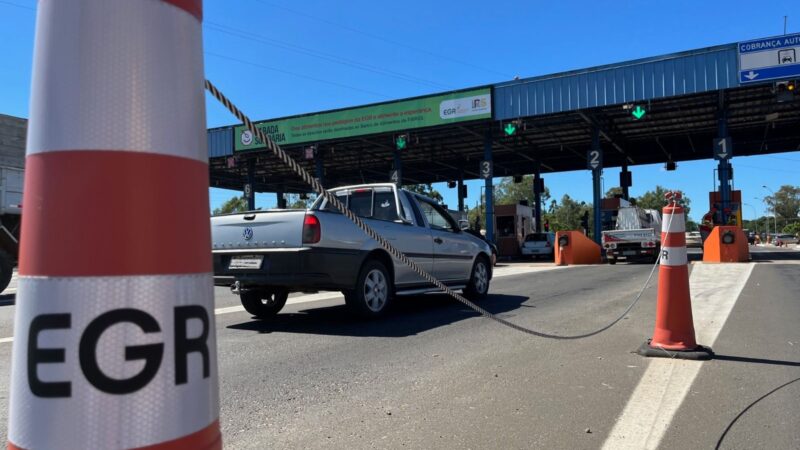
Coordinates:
(265,255)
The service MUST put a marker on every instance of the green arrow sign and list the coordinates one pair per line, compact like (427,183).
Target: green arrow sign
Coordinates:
(401,142)
(510,129)
(638,113)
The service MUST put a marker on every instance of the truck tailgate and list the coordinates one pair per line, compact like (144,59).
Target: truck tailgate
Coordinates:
(258,230)
(646,234)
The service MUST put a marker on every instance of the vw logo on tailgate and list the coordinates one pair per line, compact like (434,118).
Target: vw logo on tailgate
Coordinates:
(247,233)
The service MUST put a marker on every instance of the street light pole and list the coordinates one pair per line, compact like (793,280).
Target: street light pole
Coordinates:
(755,219)
(774,216)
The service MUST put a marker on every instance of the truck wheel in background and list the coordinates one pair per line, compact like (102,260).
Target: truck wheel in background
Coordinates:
(6,270)
(373,291)
(478,286)
(264,303)
(612,261)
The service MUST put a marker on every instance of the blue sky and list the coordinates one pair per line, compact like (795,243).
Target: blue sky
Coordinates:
(277,58)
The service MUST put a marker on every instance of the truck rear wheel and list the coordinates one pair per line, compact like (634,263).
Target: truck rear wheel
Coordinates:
(6,270)
(264,303)
(373,291)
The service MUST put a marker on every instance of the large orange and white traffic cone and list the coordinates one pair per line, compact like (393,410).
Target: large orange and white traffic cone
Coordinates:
(673,336)
(114,342)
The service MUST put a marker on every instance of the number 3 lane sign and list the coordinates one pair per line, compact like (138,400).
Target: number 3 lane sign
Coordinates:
(486,170)
(594,159)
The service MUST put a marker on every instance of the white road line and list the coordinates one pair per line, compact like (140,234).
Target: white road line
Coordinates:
(714,289)
(307,298)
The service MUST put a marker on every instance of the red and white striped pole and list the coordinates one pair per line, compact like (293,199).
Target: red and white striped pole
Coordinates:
(114,341)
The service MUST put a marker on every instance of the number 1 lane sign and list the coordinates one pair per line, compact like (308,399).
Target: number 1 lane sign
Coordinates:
(722,148)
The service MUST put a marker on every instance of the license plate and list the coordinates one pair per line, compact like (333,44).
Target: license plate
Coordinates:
(246,262)
(629,253)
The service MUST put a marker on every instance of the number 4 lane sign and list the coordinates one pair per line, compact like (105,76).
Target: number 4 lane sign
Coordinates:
(594,159)
(723,148)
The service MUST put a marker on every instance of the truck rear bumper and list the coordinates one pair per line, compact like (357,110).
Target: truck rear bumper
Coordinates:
(297,269)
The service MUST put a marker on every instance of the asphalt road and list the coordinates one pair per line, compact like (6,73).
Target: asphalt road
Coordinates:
(433,374)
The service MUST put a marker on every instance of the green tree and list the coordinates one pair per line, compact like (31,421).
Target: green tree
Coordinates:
(792,228)
(614,192)
(785,203)
(567,214)
(233,205)
(508,192)
(426,190)
(655,200)
(295,201)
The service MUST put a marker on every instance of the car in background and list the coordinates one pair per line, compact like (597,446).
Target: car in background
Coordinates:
(693,239)
(785,239)
(538,245)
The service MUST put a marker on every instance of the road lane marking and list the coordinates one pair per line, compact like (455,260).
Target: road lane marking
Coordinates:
(501,272)
(649,411)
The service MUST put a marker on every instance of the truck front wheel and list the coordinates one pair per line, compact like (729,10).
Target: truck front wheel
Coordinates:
(264,303)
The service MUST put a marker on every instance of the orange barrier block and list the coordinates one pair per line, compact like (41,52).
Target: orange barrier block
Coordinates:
(726,244)
(576,249)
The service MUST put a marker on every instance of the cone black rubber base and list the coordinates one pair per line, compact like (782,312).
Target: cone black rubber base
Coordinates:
(701,353)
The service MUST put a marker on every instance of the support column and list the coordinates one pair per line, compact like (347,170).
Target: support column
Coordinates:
(398,166)
(461,191)
(596,173)
(281,200)
(625,181)
(320,166)
(537,197)
(487,156)
(249,189)
(724,167)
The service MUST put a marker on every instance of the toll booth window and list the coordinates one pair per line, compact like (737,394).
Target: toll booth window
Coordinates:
(505,227)
(385,207)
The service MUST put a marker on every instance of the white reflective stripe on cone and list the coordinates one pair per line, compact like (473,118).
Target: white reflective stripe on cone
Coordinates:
(161,410)
(117,75)
(673,256)
(675,224)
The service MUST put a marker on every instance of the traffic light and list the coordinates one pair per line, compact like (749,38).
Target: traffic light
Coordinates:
(401,141)
(451,184)
(785,91)
(464,191)
(511,128)
(638,112)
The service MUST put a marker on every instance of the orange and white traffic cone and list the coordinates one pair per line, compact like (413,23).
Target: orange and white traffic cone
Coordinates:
(114,342)
(673,336)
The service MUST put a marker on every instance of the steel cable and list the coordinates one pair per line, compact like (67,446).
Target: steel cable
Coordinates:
(330,198)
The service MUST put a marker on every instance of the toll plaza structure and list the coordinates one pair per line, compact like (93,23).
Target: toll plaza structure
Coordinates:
(716,102)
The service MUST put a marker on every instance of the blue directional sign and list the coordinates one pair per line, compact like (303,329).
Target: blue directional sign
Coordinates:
(769,59)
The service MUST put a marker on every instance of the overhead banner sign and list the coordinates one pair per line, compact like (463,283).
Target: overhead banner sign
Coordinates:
(769,59)
(396,116)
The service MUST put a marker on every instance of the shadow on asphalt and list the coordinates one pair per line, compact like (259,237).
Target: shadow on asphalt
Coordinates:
(7,299)
(774,362)
(409,316)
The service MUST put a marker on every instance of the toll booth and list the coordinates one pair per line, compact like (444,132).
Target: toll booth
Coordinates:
(513,223)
